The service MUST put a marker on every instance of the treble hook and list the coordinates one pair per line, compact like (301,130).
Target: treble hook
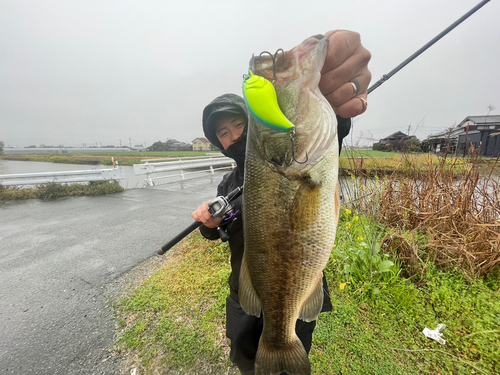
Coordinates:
(273,58)
(292,159)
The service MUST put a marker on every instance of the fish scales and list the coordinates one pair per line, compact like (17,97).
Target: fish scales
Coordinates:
(290,209)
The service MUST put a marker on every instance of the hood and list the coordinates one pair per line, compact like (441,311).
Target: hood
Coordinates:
(222,103)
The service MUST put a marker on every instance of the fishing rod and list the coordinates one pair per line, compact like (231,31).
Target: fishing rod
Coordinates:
(385,77)
(218,207)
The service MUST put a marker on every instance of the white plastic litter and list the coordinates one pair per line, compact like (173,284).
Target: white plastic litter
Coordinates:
(434,334)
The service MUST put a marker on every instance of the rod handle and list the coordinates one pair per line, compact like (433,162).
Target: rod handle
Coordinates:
(178,237)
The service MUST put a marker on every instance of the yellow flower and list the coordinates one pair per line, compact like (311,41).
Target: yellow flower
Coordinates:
(334,246)
(347,211)
(356,218)
(360,239)
(347,225)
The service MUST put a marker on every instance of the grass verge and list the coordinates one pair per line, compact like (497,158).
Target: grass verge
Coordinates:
(378,317)
(174,322)
(411,252)
(53,190)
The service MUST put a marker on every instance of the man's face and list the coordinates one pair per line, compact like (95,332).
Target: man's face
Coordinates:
(229,128)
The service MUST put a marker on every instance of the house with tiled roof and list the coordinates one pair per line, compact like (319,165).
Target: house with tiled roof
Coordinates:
(479,132)
(396,137)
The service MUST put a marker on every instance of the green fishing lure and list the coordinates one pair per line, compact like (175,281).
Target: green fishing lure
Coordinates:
(261,99)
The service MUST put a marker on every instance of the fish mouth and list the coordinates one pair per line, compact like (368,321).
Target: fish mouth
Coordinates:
(317,36)
(296,74)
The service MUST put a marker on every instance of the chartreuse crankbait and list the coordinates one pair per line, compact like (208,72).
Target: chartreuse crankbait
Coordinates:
(262,102)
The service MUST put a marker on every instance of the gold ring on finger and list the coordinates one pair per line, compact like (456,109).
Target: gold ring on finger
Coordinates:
(365,104)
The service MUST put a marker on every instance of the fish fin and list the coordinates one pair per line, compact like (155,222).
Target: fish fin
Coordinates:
(291,358)
(312,305)
(249,299)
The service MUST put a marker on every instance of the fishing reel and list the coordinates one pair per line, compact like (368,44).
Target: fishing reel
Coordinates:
(221,207)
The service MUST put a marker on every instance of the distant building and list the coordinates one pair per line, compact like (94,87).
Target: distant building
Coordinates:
(480,132)
(139,148)
(398,141)
(395,137)
(179,146)
(202,144)
(169,145)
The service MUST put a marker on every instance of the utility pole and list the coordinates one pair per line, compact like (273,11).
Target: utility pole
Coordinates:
(130,142)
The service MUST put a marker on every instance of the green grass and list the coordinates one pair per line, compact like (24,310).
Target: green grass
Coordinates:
(91,158)
(54,190)
(366,152)
(382,335)
(176,318)
(378,317)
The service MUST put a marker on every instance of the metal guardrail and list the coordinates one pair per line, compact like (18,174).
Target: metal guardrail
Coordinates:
(62,177)
(181,167)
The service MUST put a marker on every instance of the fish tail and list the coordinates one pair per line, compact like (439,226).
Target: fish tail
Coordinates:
(273,361)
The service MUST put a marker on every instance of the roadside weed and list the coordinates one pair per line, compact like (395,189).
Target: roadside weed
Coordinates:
(184,306)
(357,254)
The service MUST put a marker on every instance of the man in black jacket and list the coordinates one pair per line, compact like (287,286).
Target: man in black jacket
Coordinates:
(344,82)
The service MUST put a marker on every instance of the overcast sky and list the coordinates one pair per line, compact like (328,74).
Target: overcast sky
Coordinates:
(98,72)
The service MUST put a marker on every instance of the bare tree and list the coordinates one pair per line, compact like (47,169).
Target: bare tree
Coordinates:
(491,107)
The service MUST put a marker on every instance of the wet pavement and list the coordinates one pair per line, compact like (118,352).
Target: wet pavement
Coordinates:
(59,261)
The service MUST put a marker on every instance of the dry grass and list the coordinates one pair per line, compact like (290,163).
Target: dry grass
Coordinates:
(386,165)
(455,203)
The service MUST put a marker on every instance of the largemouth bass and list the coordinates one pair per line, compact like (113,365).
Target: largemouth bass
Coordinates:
(290,208)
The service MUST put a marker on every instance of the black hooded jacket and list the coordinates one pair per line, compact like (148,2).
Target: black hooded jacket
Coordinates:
(235,179)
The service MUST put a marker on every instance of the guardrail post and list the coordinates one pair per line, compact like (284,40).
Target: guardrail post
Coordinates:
(149,181)
(181,167)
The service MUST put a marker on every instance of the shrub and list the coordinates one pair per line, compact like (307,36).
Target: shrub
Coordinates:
(452,204)
(54,190)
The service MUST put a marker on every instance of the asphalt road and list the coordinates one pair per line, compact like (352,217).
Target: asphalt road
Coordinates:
(59,261)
